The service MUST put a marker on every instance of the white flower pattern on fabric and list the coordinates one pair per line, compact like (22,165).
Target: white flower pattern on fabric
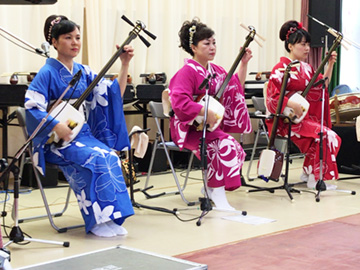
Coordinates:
(182,133)
(83,203)
(332,141)
(111,179)
(197,69)
(99,92)
(217,152)
(308,170)
(100,129)
(307,69)
(278,75)
(76,181)
(102,216)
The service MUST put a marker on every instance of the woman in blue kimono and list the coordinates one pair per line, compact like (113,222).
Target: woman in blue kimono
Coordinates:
(89,161)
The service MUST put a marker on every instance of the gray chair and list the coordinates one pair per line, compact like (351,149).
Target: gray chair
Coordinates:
(156,109)
(20,113)
(260,113)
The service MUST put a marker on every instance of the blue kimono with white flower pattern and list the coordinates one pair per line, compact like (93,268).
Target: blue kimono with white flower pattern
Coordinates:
(89,162)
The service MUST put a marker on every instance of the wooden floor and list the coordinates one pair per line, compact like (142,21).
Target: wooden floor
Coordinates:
(302,227)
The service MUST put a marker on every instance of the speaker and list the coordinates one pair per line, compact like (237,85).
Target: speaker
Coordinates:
(129,94)
(160,161)
(50,179)
(349,153)
(328,12)
(148,92)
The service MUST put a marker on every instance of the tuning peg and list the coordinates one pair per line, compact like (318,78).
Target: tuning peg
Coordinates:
(149,34)
(147,44)
(127,20)
(252,28)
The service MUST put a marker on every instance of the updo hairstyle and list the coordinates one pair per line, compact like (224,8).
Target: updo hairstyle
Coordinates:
(293,32)
(56,25)
(193,32)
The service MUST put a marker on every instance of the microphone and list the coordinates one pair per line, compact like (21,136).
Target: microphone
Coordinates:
(75,78)
(45,46)
(322,81)
(206,80)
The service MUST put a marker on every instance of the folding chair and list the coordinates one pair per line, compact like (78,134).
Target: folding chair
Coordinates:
(156,109)
(260,113)
(20,113)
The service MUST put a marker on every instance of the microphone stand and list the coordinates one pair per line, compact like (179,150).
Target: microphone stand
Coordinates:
(33,48)
(205,204)
(16,234)
(320,185)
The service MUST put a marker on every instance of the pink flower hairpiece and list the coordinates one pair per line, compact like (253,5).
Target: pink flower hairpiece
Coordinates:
(53,22)
(294,29)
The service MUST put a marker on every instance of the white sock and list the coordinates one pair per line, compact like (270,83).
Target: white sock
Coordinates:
(118,229)
(311,183)
(208,191)
(102,230)
(218,196)
(304,177)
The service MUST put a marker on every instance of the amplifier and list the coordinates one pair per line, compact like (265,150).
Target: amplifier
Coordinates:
(129,94)
(12,95)
(349,153)
(254,88)
(149,92)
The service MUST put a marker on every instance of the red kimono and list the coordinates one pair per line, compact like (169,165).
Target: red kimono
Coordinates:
(305,135)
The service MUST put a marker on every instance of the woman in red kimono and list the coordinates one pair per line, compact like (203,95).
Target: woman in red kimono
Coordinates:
(305,134)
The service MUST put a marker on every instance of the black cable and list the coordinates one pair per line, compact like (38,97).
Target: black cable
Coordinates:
(22,46)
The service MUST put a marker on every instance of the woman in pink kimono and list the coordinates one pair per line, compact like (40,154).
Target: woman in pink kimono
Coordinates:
(225,156)
(305,135)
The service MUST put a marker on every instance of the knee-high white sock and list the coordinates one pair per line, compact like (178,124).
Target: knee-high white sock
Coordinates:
(218,196)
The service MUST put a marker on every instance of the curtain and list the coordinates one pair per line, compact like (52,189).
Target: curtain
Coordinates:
(164,19)
(27,23)
(102,28)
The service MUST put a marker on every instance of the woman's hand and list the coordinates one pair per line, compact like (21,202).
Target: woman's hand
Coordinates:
(333,57)
(212,118)
(128,53)
(63,131)
(247,56)
(298,109)
(243,66)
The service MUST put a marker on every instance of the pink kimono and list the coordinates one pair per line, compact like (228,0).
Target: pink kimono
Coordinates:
(225,156)
(305,135)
